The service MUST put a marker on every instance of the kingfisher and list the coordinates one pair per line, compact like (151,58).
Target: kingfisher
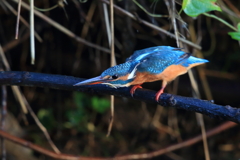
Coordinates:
(147,65)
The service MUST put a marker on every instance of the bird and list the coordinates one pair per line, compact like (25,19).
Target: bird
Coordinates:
(147,65)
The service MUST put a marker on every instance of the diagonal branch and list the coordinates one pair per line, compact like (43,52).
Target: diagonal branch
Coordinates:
(150,25)
(166,100)
(183,144)
(186,143)
(43,150)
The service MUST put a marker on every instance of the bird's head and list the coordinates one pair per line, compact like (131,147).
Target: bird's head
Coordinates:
(117,76)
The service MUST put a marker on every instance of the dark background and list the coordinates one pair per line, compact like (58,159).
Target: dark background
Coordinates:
(78,122)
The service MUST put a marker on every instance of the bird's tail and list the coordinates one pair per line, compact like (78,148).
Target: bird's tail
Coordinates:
(183,58)
(192,60)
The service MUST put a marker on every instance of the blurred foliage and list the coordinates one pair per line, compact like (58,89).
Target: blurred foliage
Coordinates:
(194,8)
(78,117)
(46,116)
(100,105)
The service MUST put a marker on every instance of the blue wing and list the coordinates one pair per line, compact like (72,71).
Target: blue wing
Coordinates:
(141,54)
(158,62)
(156,59)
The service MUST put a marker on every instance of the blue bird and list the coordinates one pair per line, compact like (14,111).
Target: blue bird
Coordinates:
(147,65)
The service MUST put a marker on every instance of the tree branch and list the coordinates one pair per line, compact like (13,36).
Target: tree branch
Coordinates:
(43,150)
(166,100)
(186,143)
(152,154)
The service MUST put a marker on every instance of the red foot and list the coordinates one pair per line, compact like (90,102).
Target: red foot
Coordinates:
(158,94)
(132,91)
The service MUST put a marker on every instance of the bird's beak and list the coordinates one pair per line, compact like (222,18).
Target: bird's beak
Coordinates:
(95,80)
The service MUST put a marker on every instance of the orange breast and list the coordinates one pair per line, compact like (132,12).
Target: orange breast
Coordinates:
(169,74)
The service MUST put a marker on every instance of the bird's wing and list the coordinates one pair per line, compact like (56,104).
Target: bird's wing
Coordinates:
(141,54)
(156,62)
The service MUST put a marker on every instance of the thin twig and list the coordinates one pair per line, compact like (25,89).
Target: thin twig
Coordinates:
(41,126)
(111,117)
(172,11)
(174,116)
(174,22)
(221,20)
(84,34)
(24,104)
(15,89)
(110,35)
(3,112)
(65,30)
(172,120)
(220,74)
(22,20)
(113,63)
(150,14)
(183,144)
(43,150)
(18,95)
(3,119)
(10,45)
(4,59)
(106,20)
(32,40)
(18,17)
(153,26)
(196,94)
(223,127)
(199,116)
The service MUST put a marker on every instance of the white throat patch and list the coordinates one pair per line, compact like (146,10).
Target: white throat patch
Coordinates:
(132,74)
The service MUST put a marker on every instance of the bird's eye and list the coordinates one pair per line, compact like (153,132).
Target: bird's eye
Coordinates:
(115,76)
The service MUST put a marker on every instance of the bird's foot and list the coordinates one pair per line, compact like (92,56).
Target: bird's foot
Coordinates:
(132,91)
(158,94)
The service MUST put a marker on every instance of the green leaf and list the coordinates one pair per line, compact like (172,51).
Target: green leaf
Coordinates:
(235,35)
(195,7)
(100,104)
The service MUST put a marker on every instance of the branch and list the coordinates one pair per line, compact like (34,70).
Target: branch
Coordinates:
(186,143)
(119,9)
(43,150)
(170,148)
(166,100)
